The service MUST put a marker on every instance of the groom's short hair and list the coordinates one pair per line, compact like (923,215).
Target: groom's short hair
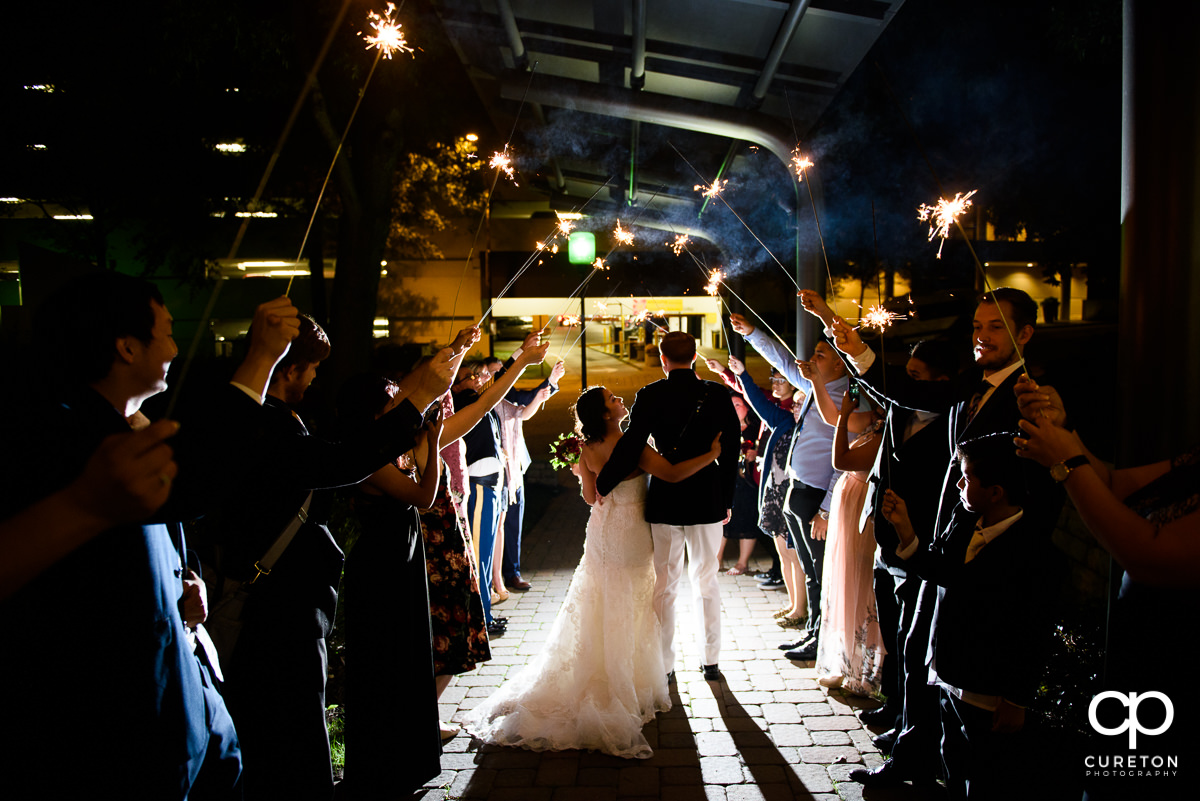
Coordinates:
(678,347)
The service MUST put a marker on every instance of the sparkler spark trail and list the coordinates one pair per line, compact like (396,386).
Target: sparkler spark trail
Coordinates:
(622,236)
(713,190)
(599,264)
(878,318)
(714,282)
(943,215)
(565,226)
(800,163)
(503,162)
(679,244)
(388,37)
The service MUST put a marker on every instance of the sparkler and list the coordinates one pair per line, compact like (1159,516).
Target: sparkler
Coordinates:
(388,37)
(622,236)
(712,190)
(386,40)
(944,214)
(715,191)
(800,163)
(878,318)
(565,226)
(502,162)
(714,283)
(679,244)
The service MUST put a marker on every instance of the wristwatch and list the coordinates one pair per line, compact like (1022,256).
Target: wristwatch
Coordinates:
(824,514)
(1060,471)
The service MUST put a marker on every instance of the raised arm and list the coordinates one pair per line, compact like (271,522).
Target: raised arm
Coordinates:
(466,418)
(654,463)
(1163,555)
(772,350)
(847,458)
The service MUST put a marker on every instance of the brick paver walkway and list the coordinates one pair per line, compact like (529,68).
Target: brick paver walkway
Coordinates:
(768,731)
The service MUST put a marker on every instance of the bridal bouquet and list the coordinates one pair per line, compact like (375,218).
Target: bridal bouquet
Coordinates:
(565,451)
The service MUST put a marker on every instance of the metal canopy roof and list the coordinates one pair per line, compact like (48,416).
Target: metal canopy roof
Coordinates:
(652,98)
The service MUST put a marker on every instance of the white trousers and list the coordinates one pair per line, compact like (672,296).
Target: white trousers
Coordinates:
(701,544)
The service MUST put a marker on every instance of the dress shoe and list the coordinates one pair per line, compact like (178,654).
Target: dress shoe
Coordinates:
(805,653)
(885,741)
(496,629)
(772,584)
(792,645)
(883,716)
(517,584)
(711,672)
(889,774)
(761,577)
(503,621)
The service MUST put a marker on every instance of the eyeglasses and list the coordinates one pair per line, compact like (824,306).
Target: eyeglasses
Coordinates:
(777,378)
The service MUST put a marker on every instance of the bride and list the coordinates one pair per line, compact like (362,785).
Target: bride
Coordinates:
(600,676)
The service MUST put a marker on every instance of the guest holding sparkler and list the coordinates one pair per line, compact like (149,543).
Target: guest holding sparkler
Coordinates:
(1148,518)
(812,476)
(976,403)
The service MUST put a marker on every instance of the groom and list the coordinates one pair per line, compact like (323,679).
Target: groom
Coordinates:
(683,414)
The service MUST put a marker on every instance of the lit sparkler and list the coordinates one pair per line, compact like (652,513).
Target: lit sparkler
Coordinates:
(569,320)
(387,37)
(943,215)
(878,318)
(565,226)
(599,264)
(712,190)
(800,163)
(622,236)
(503,162)
(680,243)
(714,282)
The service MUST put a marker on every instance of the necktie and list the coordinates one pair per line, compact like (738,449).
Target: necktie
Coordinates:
(977,399)
(976,544)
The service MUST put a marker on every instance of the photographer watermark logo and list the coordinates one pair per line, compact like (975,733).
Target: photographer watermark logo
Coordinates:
(1132,724)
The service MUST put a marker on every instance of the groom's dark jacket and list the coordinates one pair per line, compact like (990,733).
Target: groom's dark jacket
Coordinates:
(682,414)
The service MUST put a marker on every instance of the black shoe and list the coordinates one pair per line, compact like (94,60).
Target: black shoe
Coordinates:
(773,584)
(671,677)
(795,644)
(503,621)
(764,577)
(806,653)
(885,741)
(496,629)
(883,716)
(885,775)
(711,672)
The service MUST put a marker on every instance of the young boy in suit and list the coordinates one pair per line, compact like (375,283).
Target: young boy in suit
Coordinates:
(992,568)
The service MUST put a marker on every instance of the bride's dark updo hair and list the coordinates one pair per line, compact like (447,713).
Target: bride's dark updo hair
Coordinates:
(589,413)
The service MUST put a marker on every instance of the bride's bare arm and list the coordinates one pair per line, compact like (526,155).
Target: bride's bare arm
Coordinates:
(656,465)
(587,478)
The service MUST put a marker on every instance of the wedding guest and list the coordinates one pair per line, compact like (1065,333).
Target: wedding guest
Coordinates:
(742,527)
(389,642)
(987,642)
(1148,518)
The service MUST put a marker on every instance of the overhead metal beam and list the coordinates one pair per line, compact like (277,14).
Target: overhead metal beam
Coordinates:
(672,112)
(783,37)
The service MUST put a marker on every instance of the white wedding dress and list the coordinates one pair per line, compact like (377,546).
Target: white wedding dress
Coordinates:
(600,676)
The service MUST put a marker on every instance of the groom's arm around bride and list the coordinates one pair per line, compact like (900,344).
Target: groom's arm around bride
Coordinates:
(683,414)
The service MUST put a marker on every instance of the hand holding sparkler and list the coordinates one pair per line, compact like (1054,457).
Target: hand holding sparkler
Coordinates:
(736,365)
(559,370)
(533,355)
(741,325)
(276,323)
(846,339)
(895,510)
(811,373)
(815,305)
(431,380)
(465,339)
(1038,403)
(532,339)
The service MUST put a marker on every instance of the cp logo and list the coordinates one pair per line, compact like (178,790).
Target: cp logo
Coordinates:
(1131,723)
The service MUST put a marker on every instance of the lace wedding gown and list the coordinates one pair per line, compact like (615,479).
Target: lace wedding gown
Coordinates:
(600,676)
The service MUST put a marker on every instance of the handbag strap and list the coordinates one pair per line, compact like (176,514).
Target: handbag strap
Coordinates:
(263,566)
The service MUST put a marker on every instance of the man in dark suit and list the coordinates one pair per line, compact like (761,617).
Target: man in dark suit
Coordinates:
(118,704)
(683,414)
(910,461)
(986,640)
(979,401)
